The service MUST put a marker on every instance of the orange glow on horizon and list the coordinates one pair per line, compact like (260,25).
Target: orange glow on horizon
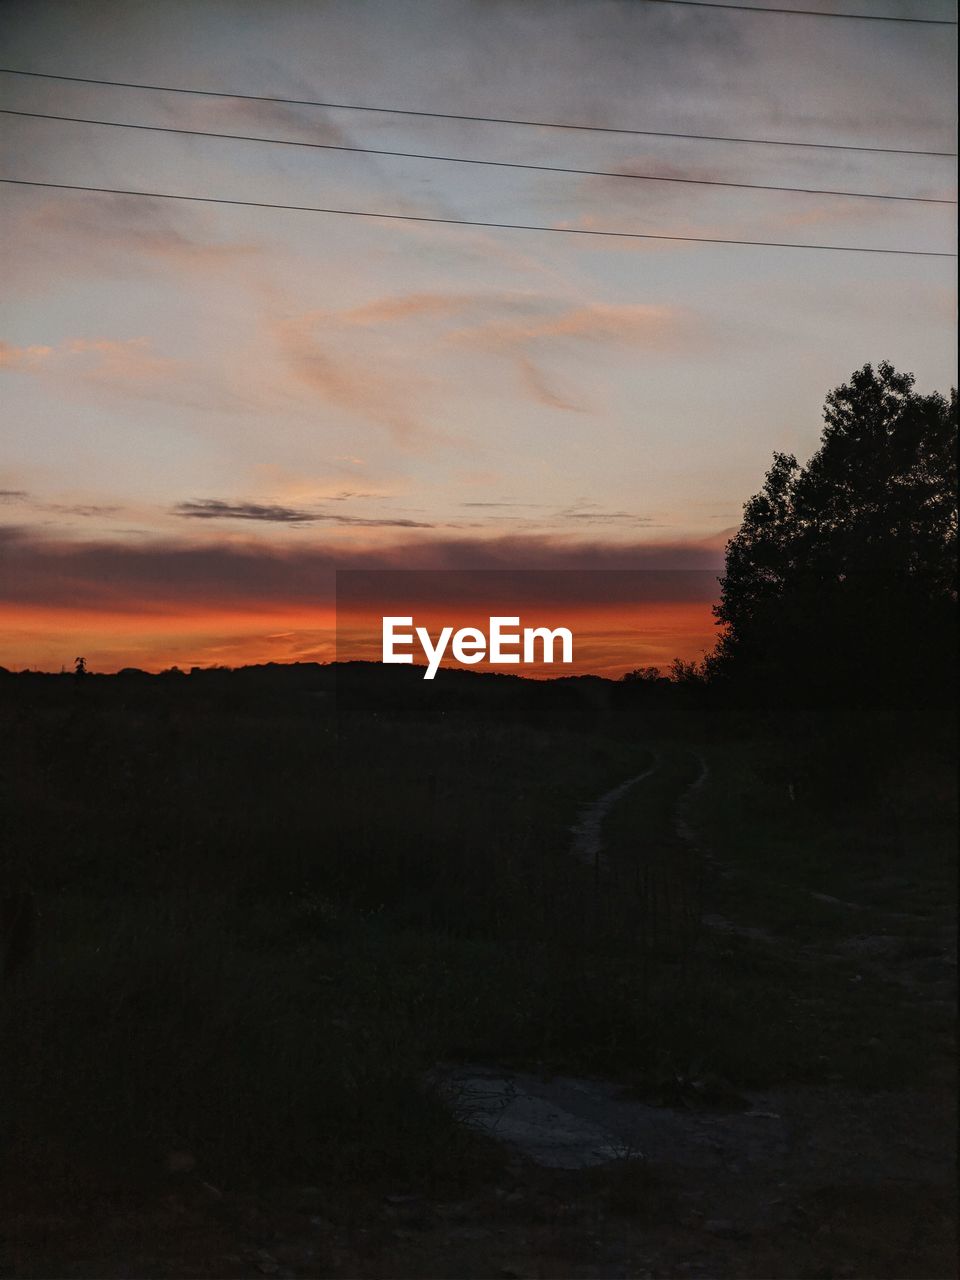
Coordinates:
(609,639)
(48,638)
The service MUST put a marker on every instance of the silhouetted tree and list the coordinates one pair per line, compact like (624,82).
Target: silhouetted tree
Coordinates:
(687,673)
(649,674)
(841,582)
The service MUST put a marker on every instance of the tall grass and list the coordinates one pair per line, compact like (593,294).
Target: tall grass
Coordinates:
(261,929)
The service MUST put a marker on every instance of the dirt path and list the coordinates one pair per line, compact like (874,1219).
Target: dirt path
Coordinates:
(840,1181)
(587,834)
(568,1122)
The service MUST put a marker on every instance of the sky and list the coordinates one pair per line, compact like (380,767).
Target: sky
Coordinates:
(207,409)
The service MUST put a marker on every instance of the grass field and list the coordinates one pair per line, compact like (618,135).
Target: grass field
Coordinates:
(261,925)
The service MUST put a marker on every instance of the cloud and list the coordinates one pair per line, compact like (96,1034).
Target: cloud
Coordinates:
(656,327)
(372,522)
(115,359)
(265,118)
(503,504)
(531,329)
(406,306)
(129,367)
(370,360)
(277,513)
(535,382)
(273,513)
(22,497)
(214,509)
(596,516)
(123,362)
(79,509)
(354,360)
(153,603)
(358,386)
(154,576)
(114,237)
(12,357)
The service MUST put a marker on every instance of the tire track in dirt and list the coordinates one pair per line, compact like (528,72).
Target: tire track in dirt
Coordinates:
(587,845)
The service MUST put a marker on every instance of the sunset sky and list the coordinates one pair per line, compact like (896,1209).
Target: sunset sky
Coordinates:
(208,409)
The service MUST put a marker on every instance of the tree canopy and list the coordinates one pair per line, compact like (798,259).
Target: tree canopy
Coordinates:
(841,582)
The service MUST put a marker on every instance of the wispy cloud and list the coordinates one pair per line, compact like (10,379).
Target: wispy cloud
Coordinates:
(597,516)
(215,509)
(364,381)
(273,513)
(113,359)
(123,362)
(541,336)
(114,237)
(21,497)
(535,382)
(29,358)
(371,360)
(406,306)
(86,509)
(131,368)
(502,504)
(659,327)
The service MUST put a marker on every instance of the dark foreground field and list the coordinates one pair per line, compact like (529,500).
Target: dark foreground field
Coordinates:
(280,923)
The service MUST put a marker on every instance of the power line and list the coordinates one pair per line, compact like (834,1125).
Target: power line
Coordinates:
(447,115)
(472,222)
(811,13)
(497,164)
